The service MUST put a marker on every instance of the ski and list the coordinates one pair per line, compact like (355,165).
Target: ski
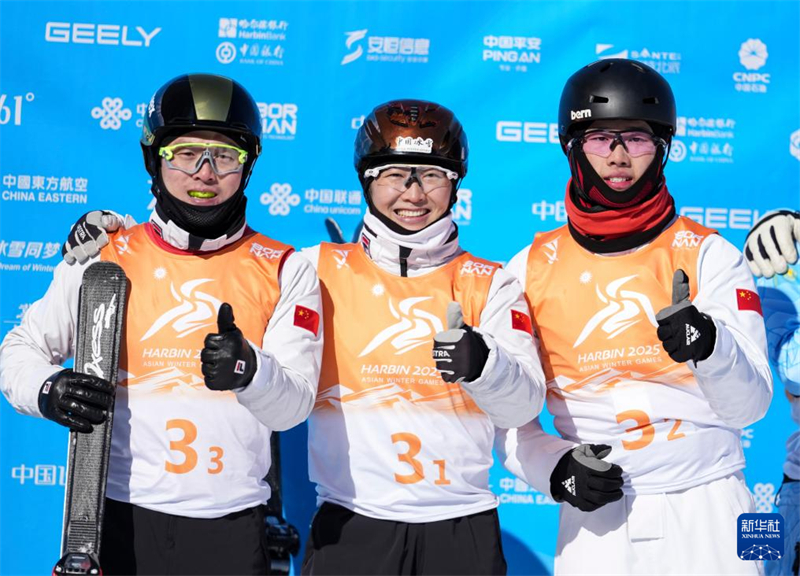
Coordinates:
(101,310)
(283,539)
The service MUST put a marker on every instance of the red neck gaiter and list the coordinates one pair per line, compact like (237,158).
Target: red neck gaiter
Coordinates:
(611,230)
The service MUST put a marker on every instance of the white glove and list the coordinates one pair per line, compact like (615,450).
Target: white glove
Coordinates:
(770,245)
(89,234)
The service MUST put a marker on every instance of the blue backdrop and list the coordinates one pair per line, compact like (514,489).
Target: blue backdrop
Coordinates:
(75,78)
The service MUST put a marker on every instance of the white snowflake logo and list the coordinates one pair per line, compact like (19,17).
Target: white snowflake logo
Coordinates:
(160,273)
(280,199)
(585,277)
(753,54)
(111,113)
(378,290)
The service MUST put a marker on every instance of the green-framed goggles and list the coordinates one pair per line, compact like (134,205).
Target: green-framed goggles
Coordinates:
(188,157)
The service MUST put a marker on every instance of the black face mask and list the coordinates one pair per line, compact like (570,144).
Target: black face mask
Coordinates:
(203,222)
(593,189)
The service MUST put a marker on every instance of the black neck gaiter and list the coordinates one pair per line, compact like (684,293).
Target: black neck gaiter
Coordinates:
(203,222)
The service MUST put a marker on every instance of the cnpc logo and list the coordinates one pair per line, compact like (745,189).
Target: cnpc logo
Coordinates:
(108,34)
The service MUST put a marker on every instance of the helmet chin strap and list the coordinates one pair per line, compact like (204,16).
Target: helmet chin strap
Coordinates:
(592,188)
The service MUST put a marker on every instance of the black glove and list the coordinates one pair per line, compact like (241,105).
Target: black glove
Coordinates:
(583,479)
(88,236)
(687,333)
(459,352)
(228,360)
(76,400)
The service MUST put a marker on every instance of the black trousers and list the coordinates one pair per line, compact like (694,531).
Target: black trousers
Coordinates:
(343,542)
(140,541)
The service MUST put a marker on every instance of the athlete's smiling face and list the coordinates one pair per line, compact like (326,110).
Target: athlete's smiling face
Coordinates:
(412,197)
(205,187)
(620,170)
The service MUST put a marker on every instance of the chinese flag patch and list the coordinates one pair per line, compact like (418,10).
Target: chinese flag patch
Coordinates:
(521,321)
(306,318)
(748,300)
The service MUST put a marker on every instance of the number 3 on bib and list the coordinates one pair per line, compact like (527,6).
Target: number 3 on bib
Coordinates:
(645,428)
(183,445)
(407,457)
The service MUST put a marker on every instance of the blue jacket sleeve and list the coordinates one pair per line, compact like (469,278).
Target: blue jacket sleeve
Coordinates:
(780,300)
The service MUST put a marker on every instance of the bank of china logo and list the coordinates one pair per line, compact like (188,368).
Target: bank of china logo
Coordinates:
(195,310)
(280,199)
(551,251)
(677,151)
(227,27)
(794,144)
(623,310)
(226,53)
(341,258)
(352,38)
(753,54)
(111,113)
(603,51)
(418,145)
(414,327)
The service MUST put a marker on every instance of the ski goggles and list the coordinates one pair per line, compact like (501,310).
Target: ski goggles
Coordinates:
(400,177)
(602,142)
(188,157)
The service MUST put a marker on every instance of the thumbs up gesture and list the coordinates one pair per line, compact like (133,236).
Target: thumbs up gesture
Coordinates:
(459,352)
(228,361)
(687,334)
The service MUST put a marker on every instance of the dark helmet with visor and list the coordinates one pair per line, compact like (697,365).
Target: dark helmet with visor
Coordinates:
(616,89)
(201,102)
(411,132)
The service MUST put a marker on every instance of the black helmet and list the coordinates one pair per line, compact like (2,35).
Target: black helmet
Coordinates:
(616,89)
(201,102)
(411,132)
